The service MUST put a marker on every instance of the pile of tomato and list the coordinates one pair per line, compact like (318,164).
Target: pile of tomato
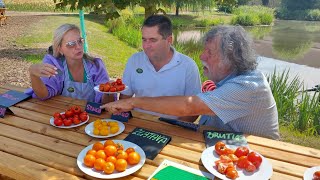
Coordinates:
(72,116)
(241,158)
(110,156)
(112,86)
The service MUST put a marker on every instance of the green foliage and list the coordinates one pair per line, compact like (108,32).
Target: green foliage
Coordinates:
(299,10)
(253,15)
(313,15)
(298,110)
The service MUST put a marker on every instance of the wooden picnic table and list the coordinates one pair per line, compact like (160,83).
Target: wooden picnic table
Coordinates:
(30,148)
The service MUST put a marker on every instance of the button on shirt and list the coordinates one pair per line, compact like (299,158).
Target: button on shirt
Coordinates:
(243,103)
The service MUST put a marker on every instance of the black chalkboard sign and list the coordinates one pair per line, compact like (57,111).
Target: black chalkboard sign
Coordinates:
(10,98)
(123,116)
(93,108)
(230,138)
(151,142)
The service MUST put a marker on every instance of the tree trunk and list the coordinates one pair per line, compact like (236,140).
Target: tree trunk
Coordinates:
(178,5)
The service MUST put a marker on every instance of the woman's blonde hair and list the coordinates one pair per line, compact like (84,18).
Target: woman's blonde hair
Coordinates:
(58,37)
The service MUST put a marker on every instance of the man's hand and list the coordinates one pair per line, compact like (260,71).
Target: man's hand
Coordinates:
(123,105)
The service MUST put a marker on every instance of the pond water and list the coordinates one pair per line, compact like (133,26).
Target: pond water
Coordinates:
(293,45)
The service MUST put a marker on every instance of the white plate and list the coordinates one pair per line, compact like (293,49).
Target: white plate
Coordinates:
(308,174)
(89,129)
(209,156)
(100,174)
(96,88)
(65,127)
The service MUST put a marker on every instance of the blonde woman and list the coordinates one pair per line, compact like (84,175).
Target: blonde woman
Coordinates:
(68,71)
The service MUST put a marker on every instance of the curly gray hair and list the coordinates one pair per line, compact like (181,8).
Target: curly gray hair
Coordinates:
(236,47)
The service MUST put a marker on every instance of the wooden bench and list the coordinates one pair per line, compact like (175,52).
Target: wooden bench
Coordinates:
(3,17)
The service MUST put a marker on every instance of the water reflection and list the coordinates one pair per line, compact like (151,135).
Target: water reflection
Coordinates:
(296,44)
(309,75)
(292,41)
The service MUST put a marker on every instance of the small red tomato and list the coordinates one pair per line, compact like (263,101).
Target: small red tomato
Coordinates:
(233,157)
(113,89)
(63,116)
(316,175)
(69,113)
(222,167)
(241,151)
(243,162)
(255,158)
(220,148)
(58,122)
(250,167)
(231,173)
(83,116)
(56,115)
(119,81)
(76,109)
(76,121)
(67,122)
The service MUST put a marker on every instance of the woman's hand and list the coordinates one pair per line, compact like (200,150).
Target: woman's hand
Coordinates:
(43,70)
(123,105)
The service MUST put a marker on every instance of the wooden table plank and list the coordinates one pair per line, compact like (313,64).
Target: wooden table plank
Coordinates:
(20,168)
(39,155)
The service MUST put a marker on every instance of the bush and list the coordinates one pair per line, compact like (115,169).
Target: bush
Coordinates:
(253,15)
(313,15)
(246,19)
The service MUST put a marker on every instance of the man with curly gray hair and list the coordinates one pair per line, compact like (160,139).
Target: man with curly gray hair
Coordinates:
(242,100)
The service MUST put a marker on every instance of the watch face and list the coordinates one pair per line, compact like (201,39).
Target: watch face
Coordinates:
(139,70)
(70,89)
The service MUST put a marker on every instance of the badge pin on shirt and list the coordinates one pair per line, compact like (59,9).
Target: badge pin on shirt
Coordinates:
(70,89)
(139,70)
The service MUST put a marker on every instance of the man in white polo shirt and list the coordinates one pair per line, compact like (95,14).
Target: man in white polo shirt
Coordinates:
(160,70)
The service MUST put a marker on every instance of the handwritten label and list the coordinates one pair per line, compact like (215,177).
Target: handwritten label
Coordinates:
(10,98)
(230,138)
(93,108)
(123,117)
(3,110)
(151,142)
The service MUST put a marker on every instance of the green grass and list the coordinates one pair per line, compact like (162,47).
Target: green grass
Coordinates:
(113,51)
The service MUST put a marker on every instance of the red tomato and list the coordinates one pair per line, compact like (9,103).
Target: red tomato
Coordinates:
(69,113)
(220,148)
(250,167)
(83,116)
(76,121)
(255,158)
(113,89)
(76,109)
(56,115)
(241,151)
(67,122)
(316,175)
(63,116)
(231,173)
(119,81)
(243,162)
(58,122)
